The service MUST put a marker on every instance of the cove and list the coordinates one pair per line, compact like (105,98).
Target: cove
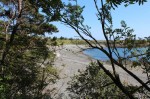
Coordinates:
(99,55)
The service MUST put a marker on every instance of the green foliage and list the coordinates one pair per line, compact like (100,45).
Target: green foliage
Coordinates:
(66,41)
(71,41)
(62,38)
(115,3)
(72,14)
(25,60)
(54,38)
(93,83)
(49,7)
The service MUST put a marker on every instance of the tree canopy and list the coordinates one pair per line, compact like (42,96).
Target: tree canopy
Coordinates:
(25,60)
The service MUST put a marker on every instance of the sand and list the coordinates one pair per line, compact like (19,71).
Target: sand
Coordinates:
(70,59)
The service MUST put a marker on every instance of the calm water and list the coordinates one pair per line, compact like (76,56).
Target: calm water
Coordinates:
(97,54)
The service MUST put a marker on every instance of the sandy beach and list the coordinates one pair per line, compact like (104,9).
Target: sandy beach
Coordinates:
(70,59)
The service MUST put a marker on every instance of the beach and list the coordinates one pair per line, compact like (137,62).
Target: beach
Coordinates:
(70,59)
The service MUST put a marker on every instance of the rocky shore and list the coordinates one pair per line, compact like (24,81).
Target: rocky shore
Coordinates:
(70,59)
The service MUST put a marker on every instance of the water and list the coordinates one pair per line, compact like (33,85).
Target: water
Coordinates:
(97,54)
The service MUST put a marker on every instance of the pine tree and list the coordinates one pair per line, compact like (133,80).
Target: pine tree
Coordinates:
(25,60)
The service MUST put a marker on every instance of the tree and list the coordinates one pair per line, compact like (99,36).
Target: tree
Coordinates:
(116,3)
(120,36)
(54,38)
(93,83)
(62,38)
(25,60)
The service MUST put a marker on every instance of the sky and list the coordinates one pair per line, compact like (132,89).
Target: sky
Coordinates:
(137,17)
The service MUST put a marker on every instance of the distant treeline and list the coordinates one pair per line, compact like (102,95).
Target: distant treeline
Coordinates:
(129,43)
(63,40)
(120,43)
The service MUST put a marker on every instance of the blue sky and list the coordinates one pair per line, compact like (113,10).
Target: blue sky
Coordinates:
(136,17)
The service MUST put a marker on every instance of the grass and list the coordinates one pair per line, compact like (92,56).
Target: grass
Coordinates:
(72,41)
(65,42)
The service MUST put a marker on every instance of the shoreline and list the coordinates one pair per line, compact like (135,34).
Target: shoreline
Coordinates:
(70,59)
